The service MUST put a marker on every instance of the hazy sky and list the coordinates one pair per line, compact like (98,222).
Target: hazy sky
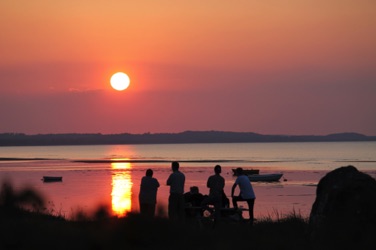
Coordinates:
(270,67)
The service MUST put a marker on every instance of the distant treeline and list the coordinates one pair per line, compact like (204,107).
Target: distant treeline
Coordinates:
(20,139)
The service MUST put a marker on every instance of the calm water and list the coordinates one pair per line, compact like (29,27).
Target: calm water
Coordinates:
(116,184)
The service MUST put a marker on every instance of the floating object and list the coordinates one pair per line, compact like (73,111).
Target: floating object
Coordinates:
(264,177)
(52,178)
(247,171)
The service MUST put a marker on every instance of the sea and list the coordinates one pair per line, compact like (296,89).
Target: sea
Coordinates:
(109,175)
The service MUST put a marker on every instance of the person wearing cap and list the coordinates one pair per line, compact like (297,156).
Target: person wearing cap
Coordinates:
(246,192)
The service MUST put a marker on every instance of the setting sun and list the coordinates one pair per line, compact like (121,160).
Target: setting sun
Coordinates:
(120,81)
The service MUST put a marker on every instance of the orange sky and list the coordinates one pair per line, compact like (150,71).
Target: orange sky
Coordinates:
(279,67)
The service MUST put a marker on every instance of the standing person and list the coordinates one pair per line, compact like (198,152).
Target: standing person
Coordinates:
(216,184)
(176,204)
(246,192)
(148,194)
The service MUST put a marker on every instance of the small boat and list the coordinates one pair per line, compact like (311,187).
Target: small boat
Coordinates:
(52,178)
(264,177)
(247,171)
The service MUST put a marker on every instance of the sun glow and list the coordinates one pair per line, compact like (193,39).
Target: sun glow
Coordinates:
(121,188)
(120,81)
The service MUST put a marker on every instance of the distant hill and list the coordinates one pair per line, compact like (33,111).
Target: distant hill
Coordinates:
(19,139)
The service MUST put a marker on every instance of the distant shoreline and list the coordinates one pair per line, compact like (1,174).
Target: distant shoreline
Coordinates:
(19,139)
(131,160)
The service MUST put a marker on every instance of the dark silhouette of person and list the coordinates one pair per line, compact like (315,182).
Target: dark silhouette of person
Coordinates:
(246,193)
(216,184)
(176,204)
(148,194)
(225,200)
(193,200)
(193,197)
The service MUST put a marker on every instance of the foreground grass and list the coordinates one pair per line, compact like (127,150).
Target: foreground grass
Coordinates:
(24,224)
(30,230)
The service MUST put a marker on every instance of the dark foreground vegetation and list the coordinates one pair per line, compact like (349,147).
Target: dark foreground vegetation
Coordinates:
(35,231)
(25,224)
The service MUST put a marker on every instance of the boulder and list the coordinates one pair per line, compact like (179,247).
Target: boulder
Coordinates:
(344,211)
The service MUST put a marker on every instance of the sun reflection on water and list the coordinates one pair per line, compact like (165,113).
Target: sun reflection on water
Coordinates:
(121,188)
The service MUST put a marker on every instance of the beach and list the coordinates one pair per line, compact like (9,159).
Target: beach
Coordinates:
(117,189)
(111,175)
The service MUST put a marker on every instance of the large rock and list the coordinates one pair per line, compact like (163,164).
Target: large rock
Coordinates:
(344,211)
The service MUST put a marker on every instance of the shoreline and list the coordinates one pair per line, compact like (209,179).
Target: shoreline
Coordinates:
(21,139)
(139,160)
(101,184)
(295,191)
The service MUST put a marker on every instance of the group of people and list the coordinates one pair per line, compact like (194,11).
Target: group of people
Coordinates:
(177,198)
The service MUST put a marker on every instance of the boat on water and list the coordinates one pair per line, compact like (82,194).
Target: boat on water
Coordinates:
(52,178)
(264,177)
(247,171)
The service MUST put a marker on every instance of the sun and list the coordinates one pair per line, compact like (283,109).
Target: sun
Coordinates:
(120,81)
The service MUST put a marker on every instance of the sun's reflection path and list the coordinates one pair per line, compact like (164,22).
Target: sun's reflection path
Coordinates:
(121,188)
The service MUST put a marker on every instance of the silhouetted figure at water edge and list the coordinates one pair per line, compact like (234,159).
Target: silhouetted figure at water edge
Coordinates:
(148,194)
(246,192)
(193,197)
(215,183)
(193,200)
(176,204)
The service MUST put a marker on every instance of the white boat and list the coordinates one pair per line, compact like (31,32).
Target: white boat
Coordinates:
(264,177)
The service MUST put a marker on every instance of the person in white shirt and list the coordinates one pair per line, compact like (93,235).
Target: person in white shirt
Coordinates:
(246,192)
